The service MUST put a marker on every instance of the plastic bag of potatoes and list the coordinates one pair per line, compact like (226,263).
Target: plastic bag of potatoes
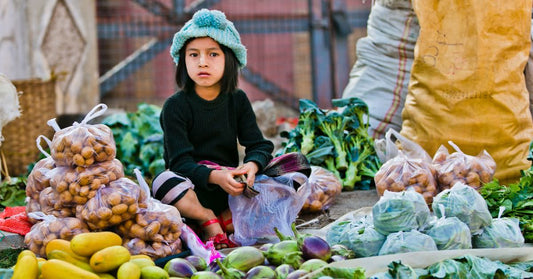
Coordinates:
(113,204)
(325,187)
(39,177)
(406,165)
(50,204)
(402,173)
(157,222)
(77,185)
(50,227)
(83,144)
(153,249)
(460,167)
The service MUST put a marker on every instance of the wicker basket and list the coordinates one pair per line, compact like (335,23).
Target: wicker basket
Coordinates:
(38,105)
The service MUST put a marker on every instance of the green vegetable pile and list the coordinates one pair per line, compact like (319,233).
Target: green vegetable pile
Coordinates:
(12,192)
(139,140)
(467,266)
(8,257)
(337,140)
(517,199)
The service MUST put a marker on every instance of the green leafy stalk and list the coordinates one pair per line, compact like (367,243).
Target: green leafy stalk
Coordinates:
(307,122)
(333,125)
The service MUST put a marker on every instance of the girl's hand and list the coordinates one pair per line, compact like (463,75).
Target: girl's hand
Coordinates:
(249,169)
(226,180)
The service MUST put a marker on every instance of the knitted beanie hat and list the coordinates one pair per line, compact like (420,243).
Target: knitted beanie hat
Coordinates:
(213,24)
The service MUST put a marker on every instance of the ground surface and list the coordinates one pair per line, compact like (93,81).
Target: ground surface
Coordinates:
(344,203)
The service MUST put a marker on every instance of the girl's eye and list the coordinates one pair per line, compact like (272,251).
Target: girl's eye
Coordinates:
(193,54)
(214,54)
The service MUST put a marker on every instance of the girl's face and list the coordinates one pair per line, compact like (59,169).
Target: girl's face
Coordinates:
(205,61)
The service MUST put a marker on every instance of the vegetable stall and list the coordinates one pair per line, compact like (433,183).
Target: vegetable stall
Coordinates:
(79,223)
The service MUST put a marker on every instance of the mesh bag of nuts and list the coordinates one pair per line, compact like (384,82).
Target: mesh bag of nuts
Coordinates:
(158,222)
(76,185)
(39,177)
(403,173)
(153,249)
(32,205)
(50,204)
(325,187)
(113,204)
(473,171)
(50,227)
(83,144)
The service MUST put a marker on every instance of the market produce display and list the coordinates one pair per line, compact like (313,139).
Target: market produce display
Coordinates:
(467,266)
(402,222)
(69,195)
(337,140)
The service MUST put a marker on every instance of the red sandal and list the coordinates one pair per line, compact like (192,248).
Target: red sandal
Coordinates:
(221,238)
(224,224)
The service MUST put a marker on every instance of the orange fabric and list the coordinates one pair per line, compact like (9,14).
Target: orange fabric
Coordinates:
(467,83)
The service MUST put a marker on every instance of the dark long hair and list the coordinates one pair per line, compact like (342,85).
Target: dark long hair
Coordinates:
(229,80)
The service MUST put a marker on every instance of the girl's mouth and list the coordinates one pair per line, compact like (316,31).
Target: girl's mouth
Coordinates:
(203,74)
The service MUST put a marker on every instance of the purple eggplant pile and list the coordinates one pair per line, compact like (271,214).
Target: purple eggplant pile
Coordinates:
(291,257)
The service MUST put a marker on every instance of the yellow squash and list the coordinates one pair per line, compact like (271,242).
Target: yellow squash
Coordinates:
(86,244)
(64,245)
(129,270)
(109,258)
(64,256)
(26,267)
(57,269)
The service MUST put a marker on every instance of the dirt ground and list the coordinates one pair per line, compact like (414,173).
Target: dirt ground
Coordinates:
(346,202)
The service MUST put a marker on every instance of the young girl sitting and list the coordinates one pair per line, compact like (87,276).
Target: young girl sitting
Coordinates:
(203,124)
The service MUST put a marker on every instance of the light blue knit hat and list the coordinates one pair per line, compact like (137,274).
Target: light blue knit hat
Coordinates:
(213,24)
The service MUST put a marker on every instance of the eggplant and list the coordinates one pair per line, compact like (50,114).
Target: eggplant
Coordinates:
(260,271)
(265,246)
(244,258)
(229,272)
(342,250)
(297,274)
(283,270)
(213,266)
(205,275)
(277,251)
(315,247)
(179,267)
(198,262)
(313,264)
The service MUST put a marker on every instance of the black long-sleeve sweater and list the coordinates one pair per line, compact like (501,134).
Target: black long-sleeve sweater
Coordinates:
(196,129)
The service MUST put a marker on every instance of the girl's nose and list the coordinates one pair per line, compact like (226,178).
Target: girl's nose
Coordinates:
(202,60)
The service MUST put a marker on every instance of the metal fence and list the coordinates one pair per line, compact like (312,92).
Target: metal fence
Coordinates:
(296,48)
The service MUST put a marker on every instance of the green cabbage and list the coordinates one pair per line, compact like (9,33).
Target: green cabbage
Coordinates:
(465,203)
(400,211)
(358,236)
(403,242)
(502,233)
(450,233)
